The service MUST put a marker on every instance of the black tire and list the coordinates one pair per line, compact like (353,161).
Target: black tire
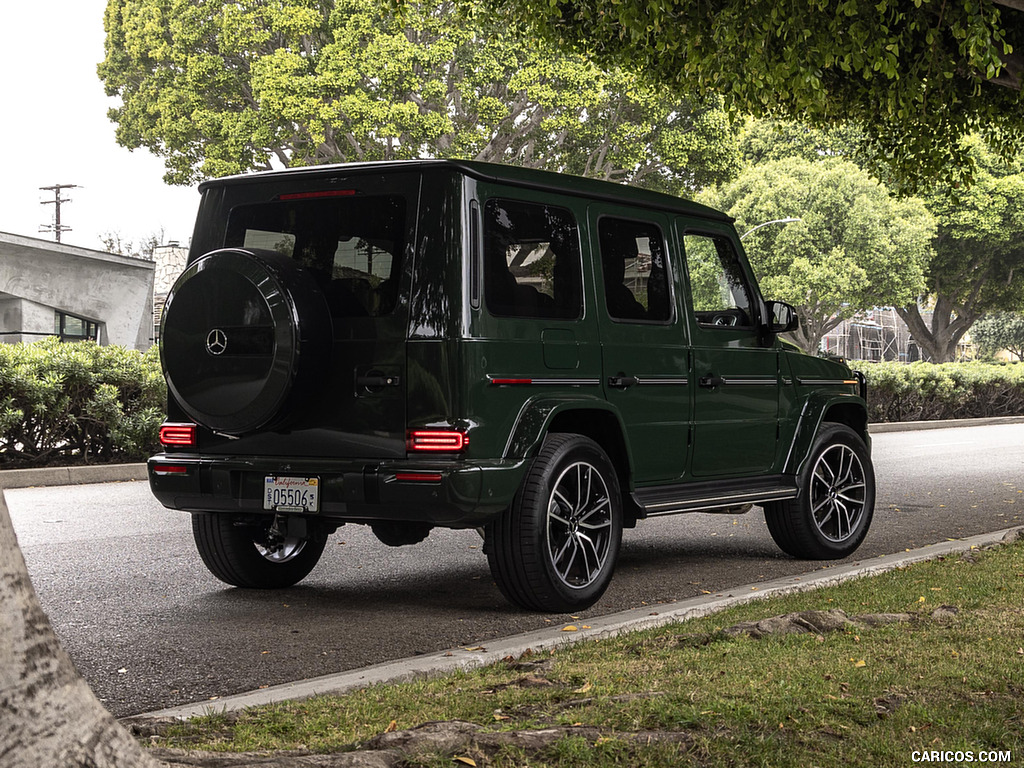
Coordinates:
(245,338)
(555,548)
(830,517)
(240,555)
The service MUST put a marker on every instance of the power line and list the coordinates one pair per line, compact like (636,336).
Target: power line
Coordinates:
(56,227)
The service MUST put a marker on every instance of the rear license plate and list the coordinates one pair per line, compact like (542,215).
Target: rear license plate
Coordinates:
(292,494)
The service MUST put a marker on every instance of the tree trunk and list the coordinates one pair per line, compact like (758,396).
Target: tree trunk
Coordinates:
(939,341)
(48,715)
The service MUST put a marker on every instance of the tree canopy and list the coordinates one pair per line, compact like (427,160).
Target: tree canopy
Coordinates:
(217,88)
(978,262)
(917,76)
(853,247)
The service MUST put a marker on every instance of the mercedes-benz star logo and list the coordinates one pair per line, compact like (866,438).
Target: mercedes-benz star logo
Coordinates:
(216,342)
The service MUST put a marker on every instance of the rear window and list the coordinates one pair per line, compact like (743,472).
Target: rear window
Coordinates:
(353,246)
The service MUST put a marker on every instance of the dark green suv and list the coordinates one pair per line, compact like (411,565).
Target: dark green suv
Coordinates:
(546,358)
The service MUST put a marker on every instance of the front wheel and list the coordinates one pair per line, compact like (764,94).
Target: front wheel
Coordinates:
(830,517)
(253,556)
(555,548)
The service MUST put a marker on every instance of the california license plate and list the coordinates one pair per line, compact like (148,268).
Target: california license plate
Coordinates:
(292,494)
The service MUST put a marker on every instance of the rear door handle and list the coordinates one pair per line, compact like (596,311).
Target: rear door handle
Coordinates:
(377,380)
(622,381)
(711,381)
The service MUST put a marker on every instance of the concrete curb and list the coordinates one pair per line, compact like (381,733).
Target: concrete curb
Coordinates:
(97,473)
(916,426)
(441,662)
(115,473)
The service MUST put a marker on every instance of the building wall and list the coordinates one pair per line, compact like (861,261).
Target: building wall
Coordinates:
(41,278)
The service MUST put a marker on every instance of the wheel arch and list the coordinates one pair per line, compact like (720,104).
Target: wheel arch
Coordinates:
(593,418)
(820,410)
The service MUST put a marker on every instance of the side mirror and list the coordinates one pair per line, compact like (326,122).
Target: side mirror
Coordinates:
(781,318)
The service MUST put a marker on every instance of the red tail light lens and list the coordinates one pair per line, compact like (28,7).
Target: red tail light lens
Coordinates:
(169,469)
(448,440)
(178,434)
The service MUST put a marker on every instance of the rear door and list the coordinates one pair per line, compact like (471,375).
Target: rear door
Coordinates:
(354,236)
(646,372)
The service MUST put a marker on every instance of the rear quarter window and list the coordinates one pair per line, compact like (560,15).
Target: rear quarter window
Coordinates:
(531,260)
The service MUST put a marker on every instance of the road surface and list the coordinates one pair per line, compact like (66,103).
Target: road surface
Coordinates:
(149,627)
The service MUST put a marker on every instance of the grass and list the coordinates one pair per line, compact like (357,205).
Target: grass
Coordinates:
(859,697)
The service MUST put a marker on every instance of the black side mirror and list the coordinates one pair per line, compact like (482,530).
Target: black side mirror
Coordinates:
(781,318)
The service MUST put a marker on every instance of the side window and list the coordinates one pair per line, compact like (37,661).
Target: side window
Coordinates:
(719,292)
(531,260)
(635,274)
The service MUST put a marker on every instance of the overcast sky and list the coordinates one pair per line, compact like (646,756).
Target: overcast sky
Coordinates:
(54,130)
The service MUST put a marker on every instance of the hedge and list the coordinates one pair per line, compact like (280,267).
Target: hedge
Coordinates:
(78,403)
(926,392)
(82,403)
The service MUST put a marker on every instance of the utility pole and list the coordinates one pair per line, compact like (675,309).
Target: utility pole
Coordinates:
(56,227)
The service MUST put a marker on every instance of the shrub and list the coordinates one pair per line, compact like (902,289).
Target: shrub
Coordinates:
(925,392)
(78,403)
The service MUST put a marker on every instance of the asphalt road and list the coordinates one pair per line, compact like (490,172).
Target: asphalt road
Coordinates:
(149,627)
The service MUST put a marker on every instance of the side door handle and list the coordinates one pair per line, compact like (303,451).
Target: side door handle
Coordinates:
(622,381)
(711,381)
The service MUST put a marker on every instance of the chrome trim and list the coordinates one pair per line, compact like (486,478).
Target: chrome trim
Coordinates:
(828,382)
(665,380)
(750,382)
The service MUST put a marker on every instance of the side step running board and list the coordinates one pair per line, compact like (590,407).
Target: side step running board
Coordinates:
(700,497)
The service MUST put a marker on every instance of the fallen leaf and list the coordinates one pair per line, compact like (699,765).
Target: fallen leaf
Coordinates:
(583,688)
(860,663)
(570,628)
(476,648)
(465,760)
(392,727)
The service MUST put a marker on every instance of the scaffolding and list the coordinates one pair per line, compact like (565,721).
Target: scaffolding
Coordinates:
(876,335)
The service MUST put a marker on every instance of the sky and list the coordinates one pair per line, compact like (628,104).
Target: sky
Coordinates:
(54,130)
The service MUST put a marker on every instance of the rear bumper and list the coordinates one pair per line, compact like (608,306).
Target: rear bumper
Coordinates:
(452,494)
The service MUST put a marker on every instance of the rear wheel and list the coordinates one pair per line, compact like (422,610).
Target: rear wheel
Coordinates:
(253,556)
(830,517)
(555,548)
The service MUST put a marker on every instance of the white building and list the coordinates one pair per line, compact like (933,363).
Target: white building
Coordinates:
(52,289)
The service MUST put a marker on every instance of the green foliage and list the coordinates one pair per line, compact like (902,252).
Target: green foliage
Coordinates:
(218,88)
(925,392)
(78,403)
(999,331)
(854,247)
(916,76)
(978,264)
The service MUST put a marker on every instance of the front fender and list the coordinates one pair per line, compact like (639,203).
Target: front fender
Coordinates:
(820,407)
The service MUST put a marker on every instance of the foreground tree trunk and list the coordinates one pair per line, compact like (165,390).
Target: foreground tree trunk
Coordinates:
(48,715)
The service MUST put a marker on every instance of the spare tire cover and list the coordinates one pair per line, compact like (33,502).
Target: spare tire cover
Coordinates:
(245,337)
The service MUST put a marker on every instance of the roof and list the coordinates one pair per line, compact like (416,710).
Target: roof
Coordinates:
(506,174)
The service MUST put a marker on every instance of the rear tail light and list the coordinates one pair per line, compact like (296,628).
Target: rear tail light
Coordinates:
(178,435)
(447,440)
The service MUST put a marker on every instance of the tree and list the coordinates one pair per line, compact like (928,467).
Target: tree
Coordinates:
(999,331)
(917,76)
(854,246)
(48,715)
(978,261)
(225,87)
